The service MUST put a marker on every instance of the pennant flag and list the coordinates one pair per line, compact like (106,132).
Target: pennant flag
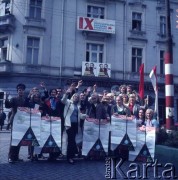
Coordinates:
(144,155)
(141,85)
(153,78)
(97,151)
(29,139)
(127,142)
(50,146)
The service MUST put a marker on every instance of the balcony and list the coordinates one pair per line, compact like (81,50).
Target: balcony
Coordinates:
(5,66)
(40,24)
(137,35)
(7,23)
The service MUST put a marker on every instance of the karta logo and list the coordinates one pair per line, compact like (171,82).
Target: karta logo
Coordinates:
(116,170)
(85,23)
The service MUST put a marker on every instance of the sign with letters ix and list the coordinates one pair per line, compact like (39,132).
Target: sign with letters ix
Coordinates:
(96,25)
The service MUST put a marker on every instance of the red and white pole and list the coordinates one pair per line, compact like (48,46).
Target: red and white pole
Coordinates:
(169,84)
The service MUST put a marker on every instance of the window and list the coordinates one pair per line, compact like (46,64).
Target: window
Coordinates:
(35,9)
(4,8)
(136,59)
(7,9)
(33,50)
(161,110)
(94,53)
(163,25)
(161,62)
(3,49)
(136,21)
(95,12)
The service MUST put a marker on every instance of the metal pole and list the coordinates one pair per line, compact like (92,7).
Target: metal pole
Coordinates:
(61,42)
(169,84)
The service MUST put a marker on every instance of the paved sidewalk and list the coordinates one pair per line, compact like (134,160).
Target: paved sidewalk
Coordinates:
(60,170)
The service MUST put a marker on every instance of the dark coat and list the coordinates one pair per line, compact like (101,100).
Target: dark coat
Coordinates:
(97,112)
(126,110)
(14,103)
(2,118)
(57,111)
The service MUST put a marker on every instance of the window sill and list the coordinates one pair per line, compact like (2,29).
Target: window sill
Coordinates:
(137,32)
(34,19)
(161,35)
(35,23)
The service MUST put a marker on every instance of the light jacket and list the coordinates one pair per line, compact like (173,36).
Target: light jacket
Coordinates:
(68,110)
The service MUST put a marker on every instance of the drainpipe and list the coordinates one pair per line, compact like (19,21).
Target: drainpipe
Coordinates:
(61,41)
(124,37)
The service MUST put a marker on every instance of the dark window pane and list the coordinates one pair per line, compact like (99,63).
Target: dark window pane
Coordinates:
(139,52)
(133,64)
(133,51)
(39,2)
(29,55)
(139,61)
(161,54)
(36,42)
(94,47)
(32,2)
(29,42)
(94,57)
(38,13)
(87,56)
(100,58)
(32,12)
(35,56)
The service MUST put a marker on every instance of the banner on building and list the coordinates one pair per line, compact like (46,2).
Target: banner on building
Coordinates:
(96,69)
(96,25)
(123,131)
(26,127)
(95,133)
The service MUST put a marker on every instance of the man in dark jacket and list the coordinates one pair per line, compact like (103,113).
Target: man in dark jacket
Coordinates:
(2,118)
(14,103)
(96,109)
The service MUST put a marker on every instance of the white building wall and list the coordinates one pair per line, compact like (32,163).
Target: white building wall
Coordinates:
(63,47)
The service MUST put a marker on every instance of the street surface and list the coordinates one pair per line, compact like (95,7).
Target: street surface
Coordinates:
(59,170)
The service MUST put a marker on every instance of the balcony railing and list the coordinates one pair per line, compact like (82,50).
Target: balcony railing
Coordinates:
(35,23)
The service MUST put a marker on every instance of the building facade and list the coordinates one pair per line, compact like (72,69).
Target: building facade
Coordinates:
(49,40)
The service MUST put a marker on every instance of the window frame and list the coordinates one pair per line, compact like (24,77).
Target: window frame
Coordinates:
(96,6)
(162,26)
(97,52)
(136,65)
(137,20)
(4,48)
(33,48)
(36,7)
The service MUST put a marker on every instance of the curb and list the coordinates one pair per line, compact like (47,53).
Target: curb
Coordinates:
(166,154)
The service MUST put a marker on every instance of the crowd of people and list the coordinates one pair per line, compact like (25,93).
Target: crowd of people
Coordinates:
(73,106)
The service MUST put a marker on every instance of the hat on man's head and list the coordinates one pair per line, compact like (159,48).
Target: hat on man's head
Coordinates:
(21,86)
